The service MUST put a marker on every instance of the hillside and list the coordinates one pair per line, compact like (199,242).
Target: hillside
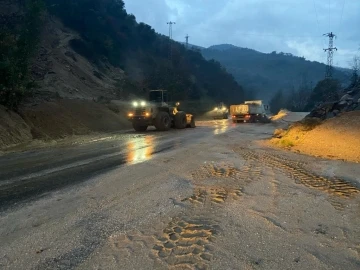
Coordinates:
(108,33)
(265,73)
(91,50)
(124,57)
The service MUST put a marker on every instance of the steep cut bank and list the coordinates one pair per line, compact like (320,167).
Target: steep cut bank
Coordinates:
(60,119)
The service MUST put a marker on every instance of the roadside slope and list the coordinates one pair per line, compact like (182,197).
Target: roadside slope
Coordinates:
(335,138)
(58,119)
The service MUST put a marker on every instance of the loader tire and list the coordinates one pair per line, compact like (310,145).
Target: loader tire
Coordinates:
(180,120)
(192,123)
(139,128)
(162,121)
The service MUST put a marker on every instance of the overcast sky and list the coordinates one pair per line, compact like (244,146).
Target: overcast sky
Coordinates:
(265,25)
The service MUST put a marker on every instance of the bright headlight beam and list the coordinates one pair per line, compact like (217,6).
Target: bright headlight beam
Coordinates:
(143,103)
(135,104)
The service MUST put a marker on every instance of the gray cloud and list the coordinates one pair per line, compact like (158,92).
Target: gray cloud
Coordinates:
(278,25)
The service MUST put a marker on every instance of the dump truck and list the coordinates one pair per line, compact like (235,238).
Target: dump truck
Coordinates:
(251,111)
(220,111)
(157,112)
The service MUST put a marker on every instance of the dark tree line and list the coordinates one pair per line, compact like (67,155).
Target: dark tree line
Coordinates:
(108,31)
(19,36)
(110,34)
(305,98)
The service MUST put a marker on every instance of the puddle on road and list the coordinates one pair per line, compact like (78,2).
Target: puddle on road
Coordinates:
(221,127)
(335,187)
(140,149)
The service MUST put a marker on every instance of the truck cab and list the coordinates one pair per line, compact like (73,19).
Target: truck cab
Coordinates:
(250,111)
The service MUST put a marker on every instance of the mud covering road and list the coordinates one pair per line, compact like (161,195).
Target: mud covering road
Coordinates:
(206,198)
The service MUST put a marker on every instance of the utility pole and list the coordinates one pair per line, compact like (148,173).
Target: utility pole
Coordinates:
(170,39)
(170,28)
(187,40)
(330,53)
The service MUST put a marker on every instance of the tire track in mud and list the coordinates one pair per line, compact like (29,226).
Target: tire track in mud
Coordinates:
(337,188)
(219,193)
(187,241)
(213,194)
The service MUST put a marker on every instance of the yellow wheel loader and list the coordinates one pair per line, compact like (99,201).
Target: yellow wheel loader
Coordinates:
(157,112)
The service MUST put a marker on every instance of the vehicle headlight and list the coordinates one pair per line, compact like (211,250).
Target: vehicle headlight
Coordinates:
(223,108)
(143,103)
(135,104)
(215,109)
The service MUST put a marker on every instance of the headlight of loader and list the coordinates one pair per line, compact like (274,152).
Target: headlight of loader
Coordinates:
(215,109)
(135,104)
(143,103)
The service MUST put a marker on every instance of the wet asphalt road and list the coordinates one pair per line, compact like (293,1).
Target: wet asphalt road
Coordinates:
(214,197)
(30,175)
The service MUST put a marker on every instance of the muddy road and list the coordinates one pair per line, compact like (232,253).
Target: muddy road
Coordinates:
(213,197)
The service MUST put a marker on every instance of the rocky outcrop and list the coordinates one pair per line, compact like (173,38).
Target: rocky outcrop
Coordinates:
(350,101)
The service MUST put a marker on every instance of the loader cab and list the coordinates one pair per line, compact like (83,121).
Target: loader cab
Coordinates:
(159,97)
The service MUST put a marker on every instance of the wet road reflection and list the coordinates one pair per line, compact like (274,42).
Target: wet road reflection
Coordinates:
(25,176)
(221,127)
(139,149)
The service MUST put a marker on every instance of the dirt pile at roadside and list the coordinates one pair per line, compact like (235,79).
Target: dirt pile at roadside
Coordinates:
(337,138)
(54,120)
(280,115)
(60,119)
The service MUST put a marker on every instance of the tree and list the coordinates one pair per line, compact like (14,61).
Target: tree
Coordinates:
(355,66)
(18,43)
(325,91)
(278,102)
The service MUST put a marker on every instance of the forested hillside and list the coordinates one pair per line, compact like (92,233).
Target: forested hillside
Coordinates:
(107,34)
(263,74)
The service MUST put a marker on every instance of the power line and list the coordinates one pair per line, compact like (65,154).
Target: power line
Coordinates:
(317,17)
(342,12)
(329,15)
(262,35)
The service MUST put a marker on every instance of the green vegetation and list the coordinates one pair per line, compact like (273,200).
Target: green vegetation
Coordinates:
(263,74)
(286,143)
(325,91)
(18,41)
(109,33)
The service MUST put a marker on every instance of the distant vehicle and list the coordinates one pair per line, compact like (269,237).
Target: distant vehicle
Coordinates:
(157,112)
(251,111)
(220,111)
